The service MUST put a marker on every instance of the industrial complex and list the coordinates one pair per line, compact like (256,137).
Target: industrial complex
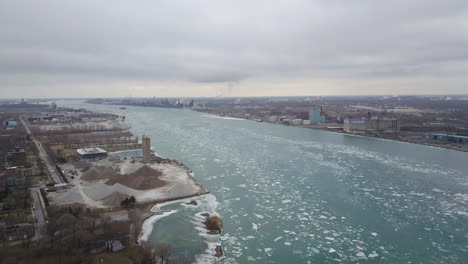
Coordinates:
(402,118)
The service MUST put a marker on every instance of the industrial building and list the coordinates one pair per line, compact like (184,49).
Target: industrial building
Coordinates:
(451,138)
(380,125)
(316,115)
(355,125)
(385,125)
(146,146)
(91,153)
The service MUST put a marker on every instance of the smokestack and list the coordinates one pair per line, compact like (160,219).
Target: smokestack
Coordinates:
(146,146)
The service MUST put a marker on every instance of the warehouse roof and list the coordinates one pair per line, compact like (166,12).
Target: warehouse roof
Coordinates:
(90,151)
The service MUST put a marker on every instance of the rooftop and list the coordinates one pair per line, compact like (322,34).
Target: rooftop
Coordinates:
(88,151)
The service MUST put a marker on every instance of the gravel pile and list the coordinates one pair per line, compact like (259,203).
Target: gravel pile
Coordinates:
(114,199)
(99,173)
(144,178)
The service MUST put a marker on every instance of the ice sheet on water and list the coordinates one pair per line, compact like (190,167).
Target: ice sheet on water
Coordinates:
(259,216)
(254,226)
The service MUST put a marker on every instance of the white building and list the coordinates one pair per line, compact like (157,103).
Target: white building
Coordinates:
(297,121)
(272,118)
(91,153)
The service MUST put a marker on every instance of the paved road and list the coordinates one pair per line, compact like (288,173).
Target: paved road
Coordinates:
(39,217)
(43,155)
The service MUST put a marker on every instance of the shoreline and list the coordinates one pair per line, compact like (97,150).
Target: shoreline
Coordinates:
(443,146)
(345,133)
(153,213)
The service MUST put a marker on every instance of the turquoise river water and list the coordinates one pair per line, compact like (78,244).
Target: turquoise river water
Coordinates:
(295,195)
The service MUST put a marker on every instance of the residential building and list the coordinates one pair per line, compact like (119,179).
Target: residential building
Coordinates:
(17,158)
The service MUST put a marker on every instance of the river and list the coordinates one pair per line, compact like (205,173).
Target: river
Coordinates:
(295,195)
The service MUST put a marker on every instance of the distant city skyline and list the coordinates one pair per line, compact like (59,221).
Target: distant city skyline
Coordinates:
(238,48)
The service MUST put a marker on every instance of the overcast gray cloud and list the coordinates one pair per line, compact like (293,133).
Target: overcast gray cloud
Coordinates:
(52,48)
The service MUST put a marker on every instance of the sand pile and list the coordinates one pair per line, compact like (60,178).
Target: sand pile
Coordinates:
(144,178)
(99,173)
(114,199)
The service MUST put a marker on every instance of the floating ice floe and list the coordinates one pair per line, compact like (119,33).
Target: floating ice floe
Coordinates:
(360,255)
(278,238)
(259,216)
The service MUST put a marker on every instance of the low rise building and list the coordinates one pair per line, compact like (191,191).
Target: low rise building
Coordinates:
(91,153)
(22,171)
(272,118)
(18,157)
(451,138)
(10,123)
(296,121)
(60,186)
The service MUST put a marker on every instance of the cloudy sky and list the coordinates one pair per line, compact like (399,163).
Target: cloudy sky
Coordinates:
(89,48)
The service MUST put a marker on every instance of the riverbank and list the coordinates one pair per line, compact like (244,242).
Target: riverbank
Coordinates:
(404,136)
(303,194)
(183,221)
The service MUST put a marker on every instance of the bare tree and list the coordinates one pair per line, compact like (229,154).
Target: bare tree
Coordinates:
(163,251)
(148,252)
(109,234)
(135,216)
